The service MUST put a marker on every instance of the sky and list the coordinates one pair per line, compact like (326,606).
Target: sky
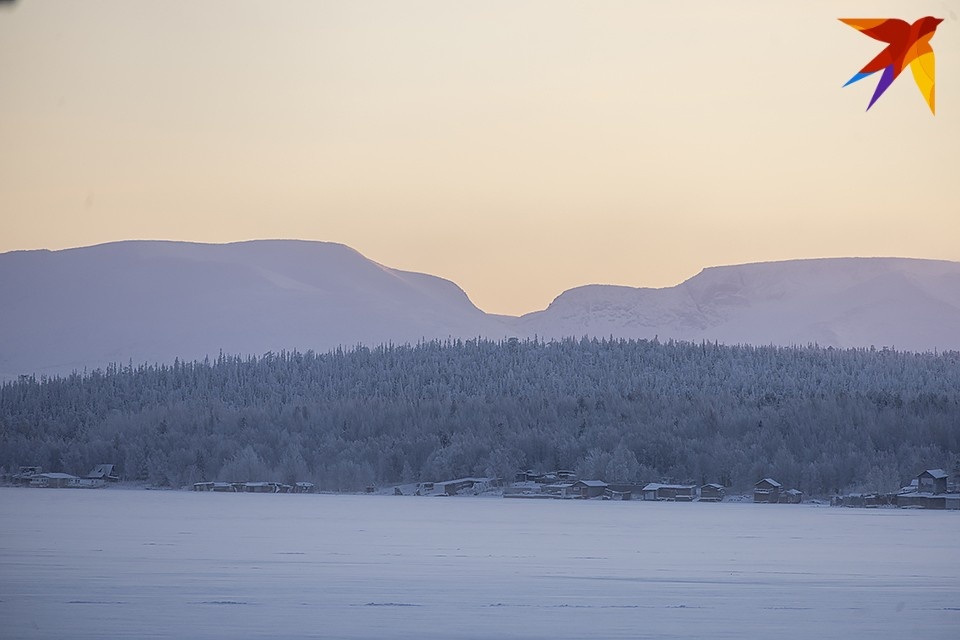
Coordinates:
(519,148)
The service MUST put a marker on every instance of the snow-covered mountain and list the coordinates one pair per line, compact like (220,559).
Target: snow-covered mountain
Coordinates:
(151,301)
(899,303)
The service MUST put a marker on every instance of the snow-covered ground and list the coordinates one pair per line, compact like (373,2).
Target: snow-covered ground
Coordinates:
(144,564)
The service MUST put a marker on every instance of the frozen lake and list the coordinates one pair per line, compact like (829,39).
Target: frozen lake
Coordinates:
(145,564)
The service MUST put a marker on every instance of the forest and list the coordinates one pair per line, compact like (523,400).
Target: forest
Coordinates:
(821,419)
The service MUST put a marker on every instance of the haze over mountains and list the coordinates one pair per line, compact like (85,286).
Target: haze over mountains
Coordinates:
(153,301)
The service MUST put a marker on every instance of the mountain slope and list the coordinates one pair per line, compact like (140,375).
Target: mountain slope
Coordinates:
(154,301)
(148,301)
(843,302)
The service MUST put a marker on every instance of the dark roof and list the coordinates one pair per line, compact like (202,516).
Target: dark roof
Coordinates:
(936,474)
(101,471)
(769,481)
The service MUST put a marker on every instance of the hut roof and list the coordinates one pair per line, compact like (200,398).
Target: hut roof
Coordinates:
(101,471)
(937,474)
(592,483)
(770,481)
(653,486)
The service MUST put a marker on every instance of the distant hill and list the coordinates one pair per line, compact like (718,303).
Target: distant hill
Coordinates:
(156,301)
(152,301)
(898,303)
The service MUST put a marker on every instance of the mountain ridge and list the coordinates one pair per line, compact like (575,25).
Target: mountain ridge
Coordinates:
(153,301)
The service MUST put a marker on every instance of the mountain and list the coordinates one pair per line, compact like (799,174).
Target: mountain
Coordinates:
(899,303)
(149,301)
(152,301)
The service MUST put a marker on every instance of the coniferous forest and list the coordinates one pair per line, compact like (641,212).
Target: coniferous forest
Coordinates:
(822,420)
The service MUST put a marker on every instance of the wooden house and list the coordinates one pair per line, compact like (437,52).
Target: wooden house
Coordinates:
(712,492)
(635,490)
(767,490)
(52,480)
(932,481)
(590,488)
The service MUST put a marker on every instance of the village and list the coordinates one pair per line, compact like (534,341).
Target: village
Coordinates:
(565,485)
(930,489)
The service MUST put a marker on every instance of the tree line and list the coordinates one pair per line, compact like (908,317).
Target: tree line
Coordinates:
(821,419)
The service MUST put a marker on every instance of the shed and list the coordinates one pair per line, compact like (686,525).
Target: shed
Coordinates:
(25,475)
(767,490)
(791,496)
(303,487)
(261,487)
(673,492)
(220,487)
(712,492)
(932,481)
(590,488)
(560,490)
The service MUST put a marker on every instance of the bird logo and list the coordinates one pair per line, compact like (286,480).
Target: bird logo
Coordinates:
(907,44)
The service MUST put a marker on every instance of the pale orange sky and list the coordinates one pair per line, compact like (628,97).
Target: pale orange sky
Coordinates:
(517,148)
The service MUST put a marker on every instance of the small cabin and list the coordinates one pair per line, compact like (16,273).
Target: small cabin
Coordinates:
(932,481)
(590,488)
(712,492)
(767,490)
(560,490)
(528,476)
(791,496)
(219,487)
(672,492)
(471,485)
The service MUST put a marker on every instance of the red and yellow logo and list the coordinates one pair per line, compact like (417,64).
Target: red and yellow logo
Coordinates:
(907,44)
